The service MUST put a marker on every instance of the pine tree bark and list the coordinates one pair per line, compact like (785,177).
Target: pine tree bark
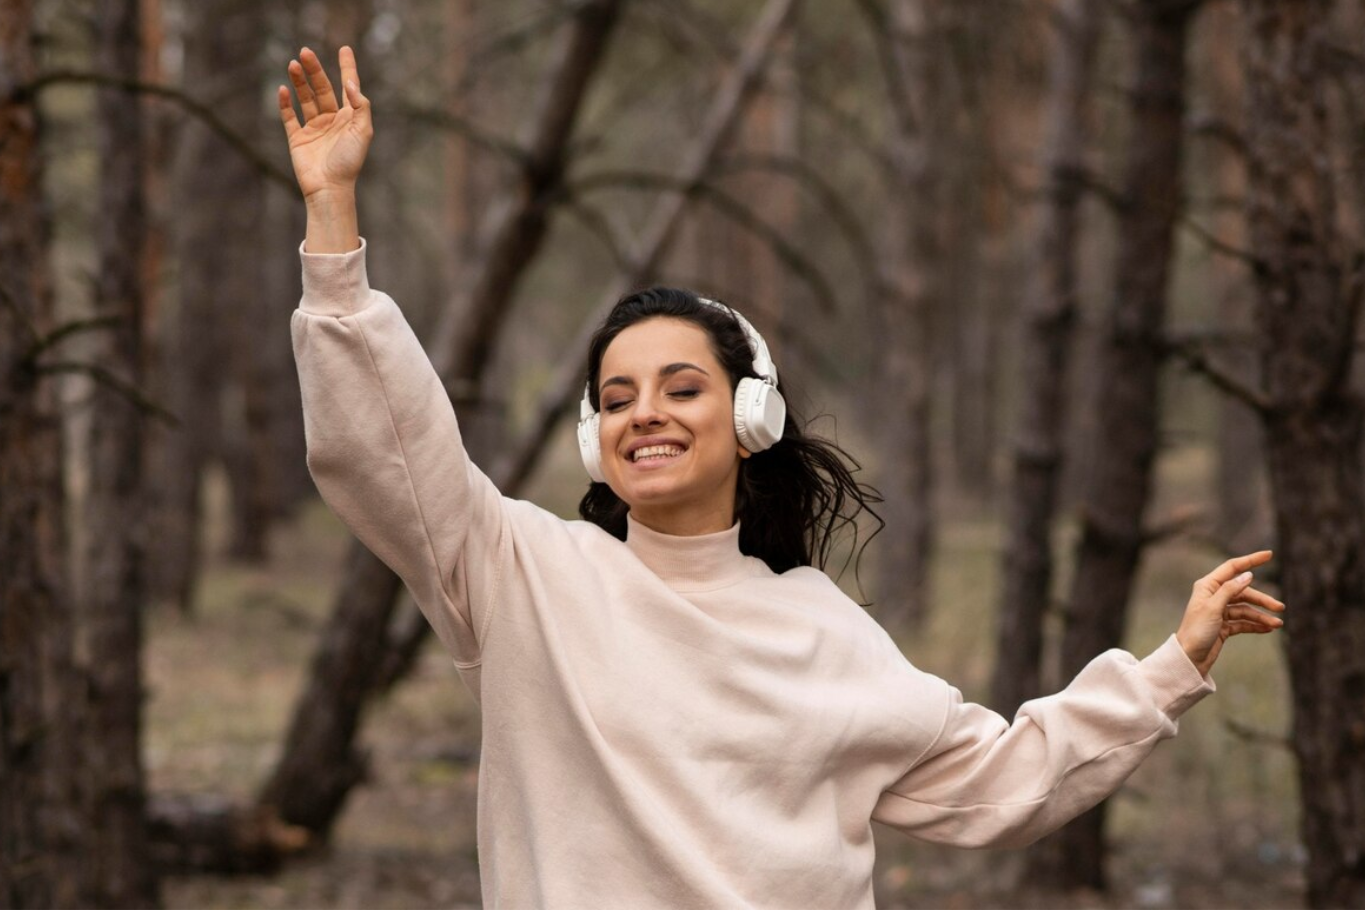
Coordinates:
(114,589)
(1119,483)
(42,812)
(1050,314)
(1308,296)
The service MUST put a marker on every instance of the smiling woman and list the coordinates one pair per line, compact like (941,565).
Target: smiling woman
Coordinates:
(678,707)
(669,368)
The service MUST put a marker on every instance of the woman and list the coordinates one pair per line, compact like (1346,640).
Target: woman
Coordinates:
(668,719)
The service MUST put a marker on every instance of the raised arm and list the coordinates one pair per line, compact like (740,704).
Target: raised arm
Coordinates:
(328,141)
(384,446)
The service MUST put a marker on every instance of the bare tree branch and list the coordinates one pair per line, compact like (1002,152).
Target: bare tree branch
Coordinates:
(65,331)
(1249,734)
(599,225)
(104,377)
(1196,359)
(1210,126)
(462,126)
(1217,245)
(727,205)
(1176,524)
(1095,185)
(884,34)
(827,196)
(198,109)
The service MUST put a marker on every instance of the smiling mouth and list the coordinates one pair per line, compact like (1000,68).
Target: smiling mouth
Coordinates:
(655,453)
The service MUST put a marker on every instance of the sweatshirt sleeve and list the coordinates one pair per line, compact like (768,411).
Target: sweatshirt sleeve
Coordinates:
(988,783)
(385,450)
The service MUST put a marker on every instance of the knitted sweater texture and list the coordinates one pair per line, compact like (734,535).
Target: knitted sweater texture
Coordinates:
(666,722)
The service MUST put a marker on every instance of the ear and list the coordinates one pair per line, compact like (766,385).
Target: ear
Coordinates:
(743,452)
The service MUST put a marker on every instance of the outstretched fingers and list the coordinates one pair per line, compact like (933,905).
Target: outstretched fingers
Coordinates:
(287,115)
(1231,571)
(320,87)
(350,76)
(1257,598)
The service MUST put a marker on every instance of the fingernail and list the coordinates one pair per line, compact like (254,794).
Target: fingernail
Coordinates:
(1244,578)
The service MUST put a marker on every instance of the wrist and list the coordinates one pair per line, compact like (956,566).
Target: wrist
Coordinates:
(330,199)
(333,224)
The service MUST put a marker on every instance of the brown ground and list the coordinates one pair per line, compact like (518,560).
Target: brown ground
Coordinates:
(1208,823)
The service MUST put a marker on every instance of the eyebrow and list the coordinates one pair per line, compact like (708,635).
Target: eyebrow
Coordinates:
(666,371)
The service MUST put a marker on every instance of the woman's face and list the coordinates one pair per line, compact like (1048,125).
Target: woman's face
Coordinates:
(669,449)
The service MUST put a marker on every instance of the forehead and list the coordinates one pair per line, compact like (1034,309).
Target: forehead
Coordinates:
(647,346)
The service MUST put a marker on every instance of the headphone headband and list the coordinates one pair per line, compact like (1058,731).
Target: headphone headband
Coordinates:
(763,365)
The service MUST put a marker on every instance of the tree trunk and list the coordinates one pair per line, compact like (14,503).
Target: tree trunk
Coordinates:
(234,255)
(1050,313)
(1308,295)
(42,813)
(220,301)
(114,588)
(1120,479)
(1242,521)
(458,205)
(320,763)
(906,322)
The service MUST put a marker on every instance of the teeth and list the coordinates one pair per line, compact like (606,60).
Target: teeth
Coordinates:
(657,452)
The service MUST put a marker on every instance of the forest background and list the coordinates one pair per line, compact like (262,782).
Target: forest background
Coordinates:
(1078,282)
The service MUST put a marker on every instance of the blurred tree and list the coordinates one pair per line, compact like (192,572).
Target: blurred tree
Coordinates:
(219,54)
(43,810)
(114,590)
(1050,314)
(984,44)
(1243,514)
(457,197)
(1309,283)
(218,377)
(907,35)
(1119,481)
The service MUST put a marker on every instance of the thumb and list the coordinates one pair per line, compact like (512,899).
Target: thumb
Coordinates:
(1229,590)
(354,98)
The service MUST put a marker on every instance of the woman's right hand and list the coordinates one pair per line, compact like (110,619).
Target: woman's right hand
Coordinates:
(328,143)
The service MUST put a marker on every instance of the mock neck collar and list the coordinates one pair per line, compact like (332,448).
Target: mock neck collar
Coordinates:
(701,563)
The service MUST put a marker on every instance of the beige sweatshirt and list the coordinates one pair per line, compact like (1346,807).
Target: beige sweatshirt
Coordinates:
(666,722)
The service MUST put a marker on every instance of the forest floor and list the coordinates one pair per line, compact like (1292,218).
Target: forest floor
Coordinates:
(1208,822)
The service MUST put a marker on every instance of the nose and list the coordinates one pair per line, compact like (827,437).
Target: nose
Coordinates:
(646,412)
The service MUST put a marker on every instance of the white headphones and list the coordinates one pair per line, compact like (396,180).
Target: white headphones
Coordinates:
(760,411)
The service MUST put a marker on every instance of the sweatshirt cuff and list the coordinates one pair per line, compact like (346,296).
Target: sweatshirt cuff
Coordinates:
(1177,684)
(334,284)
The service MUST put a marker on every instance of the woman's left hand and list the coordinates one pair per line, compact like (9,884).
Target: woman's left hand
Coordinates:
(1224,604)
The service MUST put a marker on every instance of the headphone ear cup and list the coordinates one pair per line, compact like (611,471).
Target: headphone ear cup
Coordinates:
(760,414)
(590,446)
